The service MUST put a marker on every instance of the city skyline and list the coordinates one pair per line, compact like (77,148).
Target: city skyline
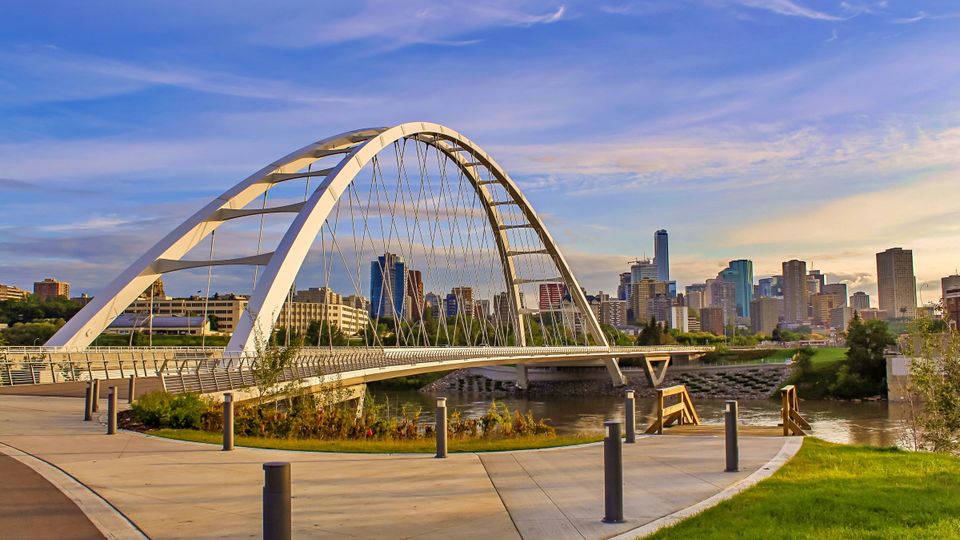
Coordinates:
(831,174)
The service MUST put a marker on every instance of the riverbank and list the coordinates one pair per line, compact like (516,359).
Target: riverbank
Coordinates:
(831,491)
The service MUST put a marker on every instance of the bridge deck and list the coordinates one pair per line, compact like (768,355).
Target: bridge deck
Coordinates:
(213,371)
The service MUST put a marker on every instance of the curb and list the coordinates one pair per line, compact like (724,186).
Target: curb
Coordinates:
(790,447)
(107,519)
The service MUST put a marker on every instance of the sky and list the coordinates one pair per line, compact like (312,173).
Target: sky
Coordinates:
(762,129)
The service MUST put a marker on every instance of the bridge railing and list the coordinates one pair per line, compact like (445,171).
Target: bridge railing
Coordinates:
(39,365)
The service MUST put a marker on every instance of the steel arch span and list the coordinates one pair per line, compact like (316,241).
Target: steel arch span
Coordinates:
(355,150)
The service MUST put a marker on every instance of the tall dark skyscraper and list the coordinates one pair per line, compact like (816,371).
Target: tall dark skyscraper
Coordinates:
(661,253)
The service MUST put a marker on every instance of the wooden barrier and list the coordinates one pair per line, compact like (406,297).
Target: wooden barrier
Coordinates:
(793,423)
(681,412)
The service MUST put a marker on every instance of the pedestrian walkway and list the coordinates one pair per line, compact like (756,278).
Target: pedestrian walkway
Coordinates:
(173,489)
(34,509)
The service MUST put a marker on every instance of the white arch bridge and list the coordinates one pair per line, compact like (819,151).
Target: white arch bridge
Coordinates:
(383,219)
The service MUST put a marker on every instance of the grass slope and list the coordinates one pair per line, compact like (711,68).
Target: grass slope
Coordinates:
(831,491)
(816,383)
(380,446)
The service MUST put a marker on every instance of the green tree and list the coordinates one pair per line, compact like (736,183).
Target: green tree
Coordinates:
(269,365)
(651,334)
(36,332)
(862,372)
(934,387)
(323,334)
(31,308)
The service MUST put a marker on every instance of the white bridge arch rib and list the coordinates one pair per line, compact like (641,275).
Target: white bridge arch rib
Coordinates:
(284,263)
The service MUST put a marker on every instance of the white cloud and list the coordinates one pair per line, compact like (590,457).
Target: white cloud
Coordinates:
(388,25)
(791,9)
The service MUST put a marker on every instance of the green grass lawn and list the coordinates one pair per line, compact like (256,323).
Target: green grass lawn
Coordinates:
(381,446)
(816,383)
(828,355)
(831,491)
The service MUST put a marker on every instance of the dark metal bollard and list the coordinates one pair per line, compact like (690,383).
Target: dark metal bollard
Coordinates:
(112,411)
(228,421)
(441,427)
(630,416)
(733,446)
(88,403)
(276,501)
(612,474)
(96,395)
(132,389)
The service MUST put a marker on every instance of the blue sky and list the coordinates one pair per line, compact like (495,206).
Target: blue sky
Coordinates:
(761,129)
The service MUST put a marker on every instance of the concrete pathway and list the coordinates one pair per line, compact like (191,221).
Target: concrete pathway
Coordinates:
(34,509)
(172,489)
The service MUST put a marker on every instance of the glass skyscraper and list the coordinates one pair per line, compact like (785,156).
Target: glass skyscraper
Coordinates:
(740,273)
(388,286)
(661,254)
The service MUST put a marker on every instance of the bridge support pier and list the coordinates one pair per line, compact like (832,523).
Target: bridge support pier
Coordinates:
(617,376)
(523,381)
(361,400)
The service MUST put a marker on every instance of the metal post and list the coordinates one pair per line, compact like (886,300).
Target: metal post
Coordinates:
(612,473)
(441,427)
(630,417)
(276,501)
(228,421)
(132,387)
(88,403)
(112,411)
(733,447)
(96,395)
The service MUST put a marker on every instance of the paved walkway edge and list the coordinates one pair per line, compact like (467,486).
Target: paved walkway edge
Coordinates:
(790,448)
(107,519)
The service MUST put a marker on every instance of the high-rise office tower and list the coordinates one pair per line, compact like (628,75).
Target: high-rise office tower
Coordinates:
(415,294)
(896,283)
(643,269)
(837,289)
(723,294)
(641,295)
(765,314)
(388,286)
(860,301)
(623,289)
(661,254)
(740,273)
(820,278)
(460,302)
(795,291)
(551,296)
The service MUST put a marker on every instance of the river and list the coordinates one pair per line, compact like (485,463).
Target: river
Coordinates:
(875,423)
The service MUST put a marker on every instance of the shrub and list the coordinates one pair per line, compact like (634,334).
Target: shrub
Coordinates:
(166,410)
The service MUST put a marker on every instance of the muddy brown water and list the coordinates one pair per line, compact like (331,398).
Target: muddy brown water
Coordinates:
(875,423)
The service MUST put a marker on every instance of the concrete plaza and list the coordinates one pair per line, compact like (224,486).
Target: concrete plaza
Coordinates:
(170,489)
